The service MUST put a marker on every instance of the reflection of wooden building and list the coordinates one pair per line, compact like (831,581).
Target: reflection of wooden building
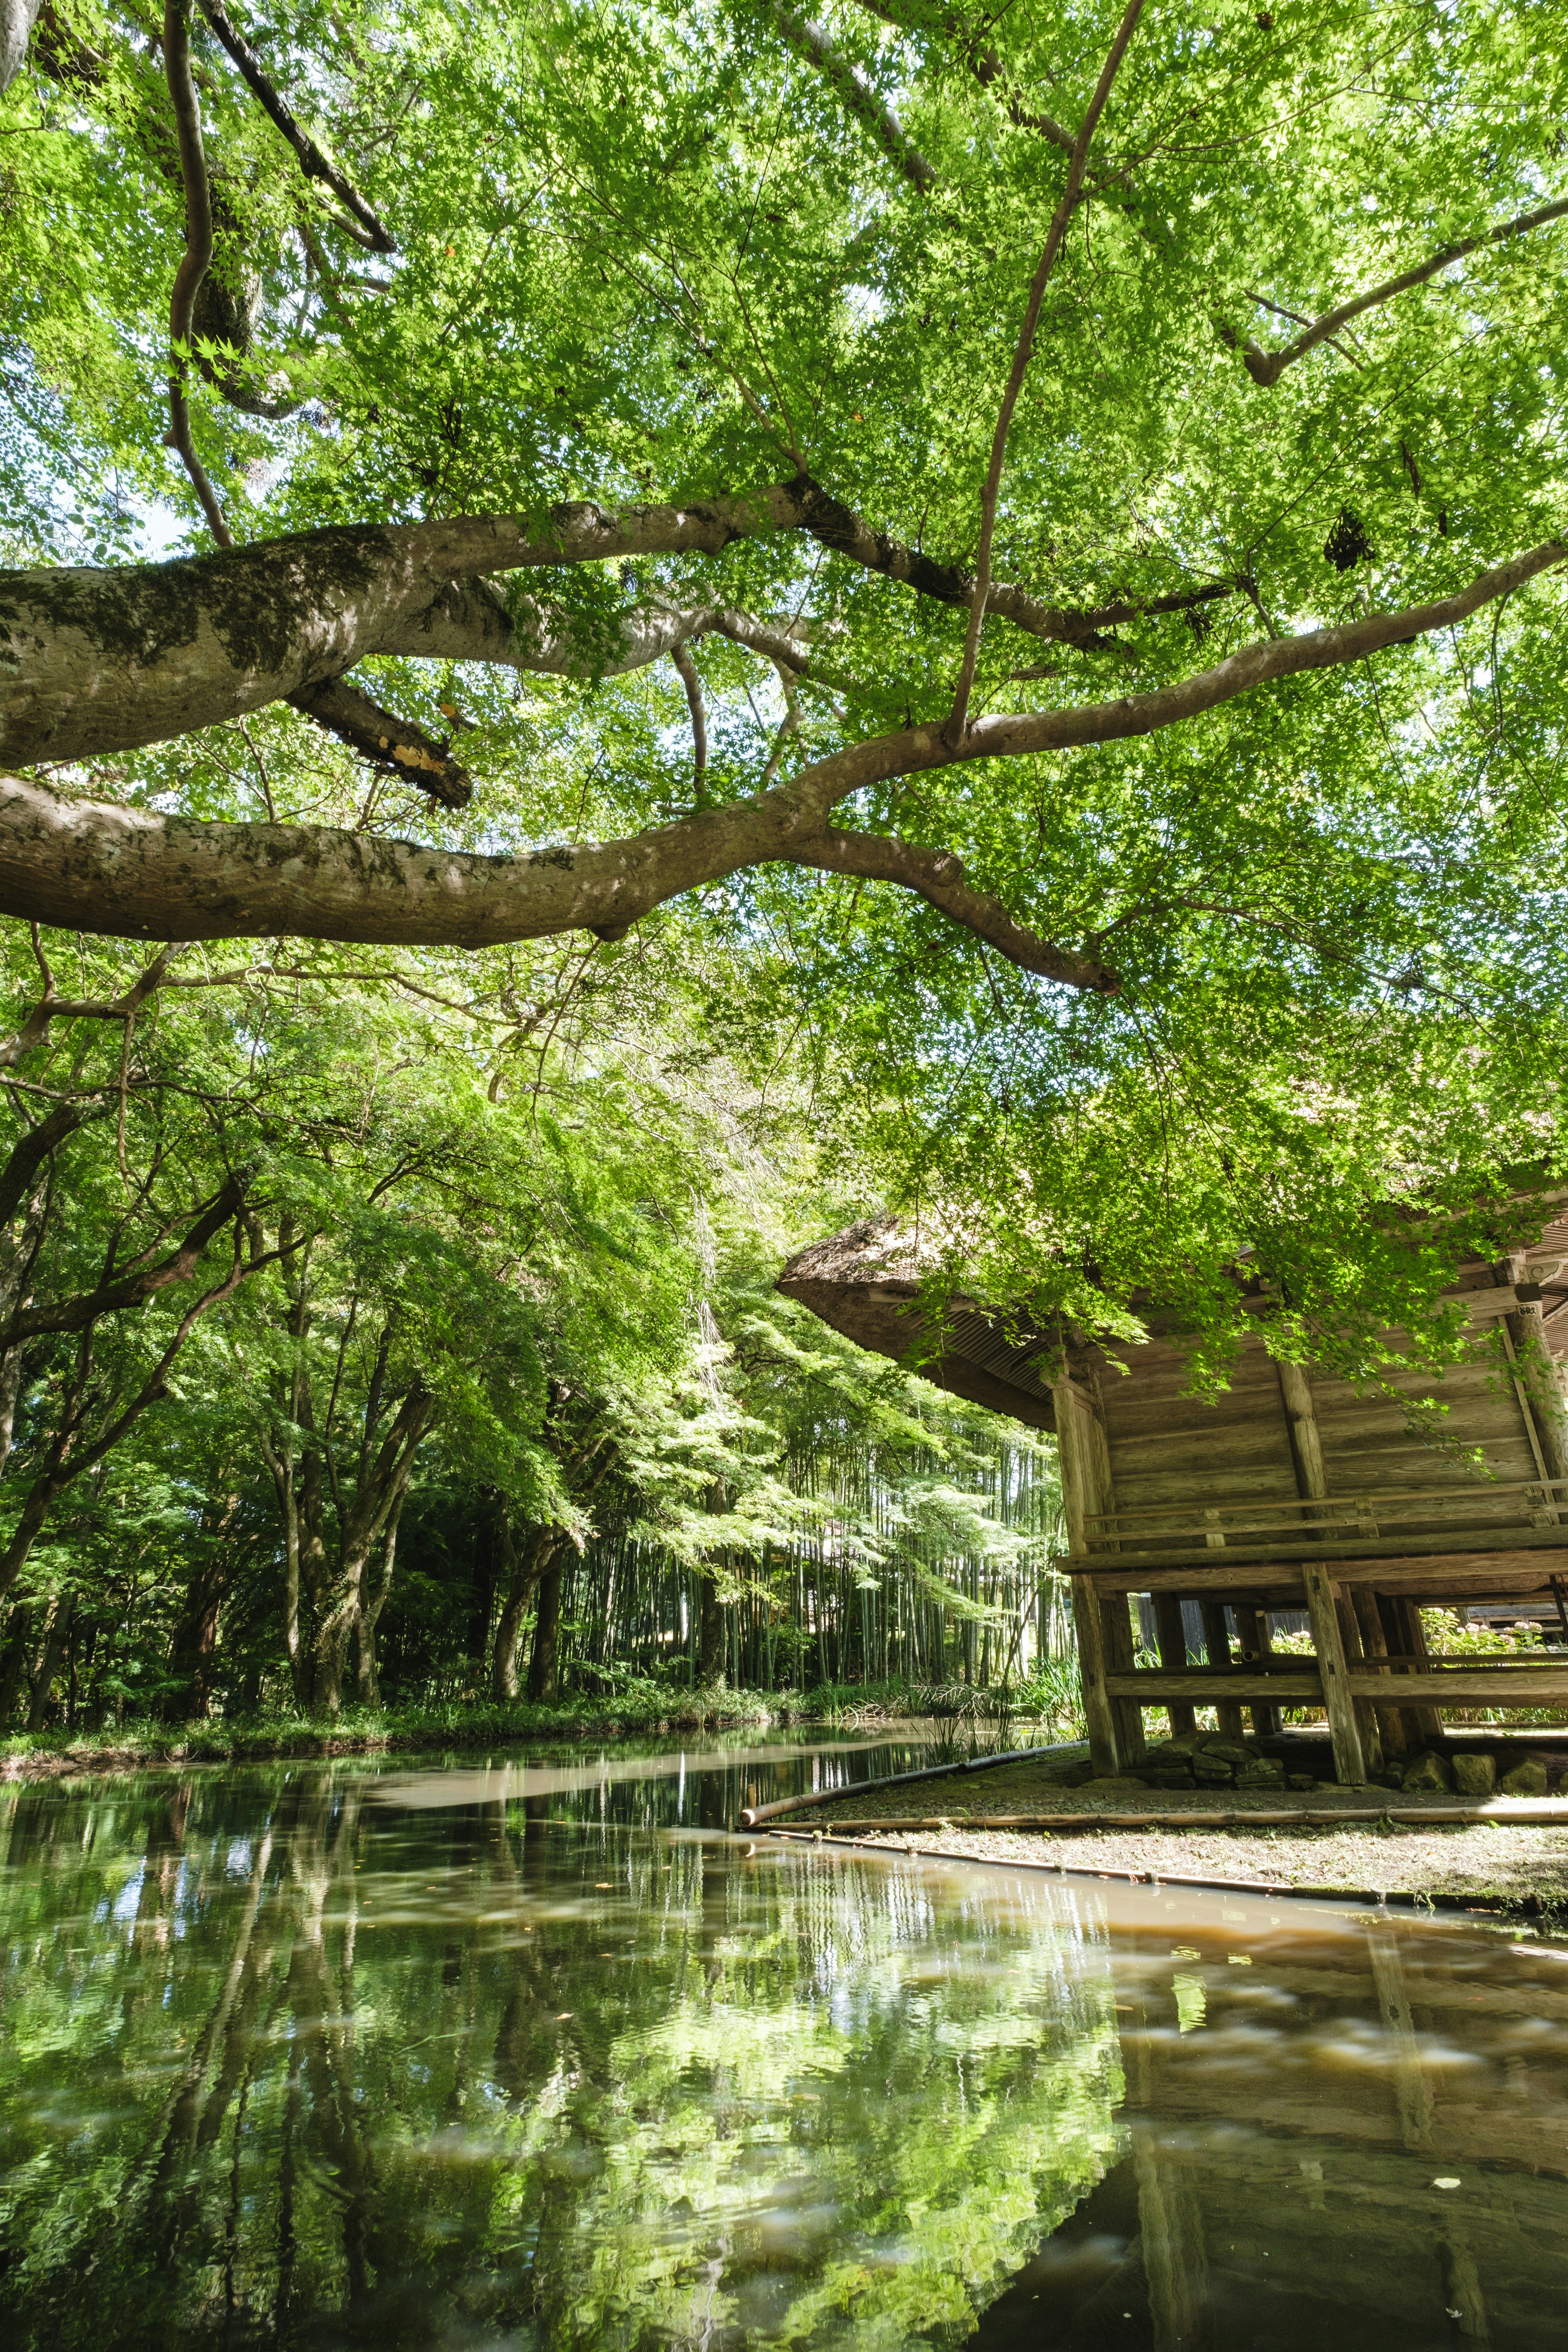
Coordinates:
(1350,2143)
(1288,1490)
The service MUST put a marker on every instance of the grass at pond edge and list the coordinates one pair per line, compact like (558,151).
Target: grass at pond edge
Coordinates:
(625,1711)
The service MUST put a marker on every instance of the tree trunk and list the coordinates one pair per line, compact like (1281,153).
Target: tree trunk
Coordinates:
(16,20)
(546,1630)
(57,1630)
(337,1588)
(194,1646)
(524,1570)
(14,1664)
(487,1555)
(710,1630)
(367,1672)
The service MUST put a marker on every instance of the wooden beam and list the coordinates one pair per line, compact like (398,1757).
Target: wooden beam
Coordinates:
(1521,1541)
(1217,1644)
(1207,1689)
(1345,1610)
(1301,1421)
(1084,1465)
(1171,1637)
(1099,1718)
(1519,1570)
(1119,1652)
(1391,1729)
(1423,1721)
(1252,1626)
(1538,1686)
(1344,1721)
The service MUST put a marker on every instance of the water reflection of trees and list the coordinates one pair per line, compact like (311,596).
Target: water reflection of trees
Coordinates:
(287,2068)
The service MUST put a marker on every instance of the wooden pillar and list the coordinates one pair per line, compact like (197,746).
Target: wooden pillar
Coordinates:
(1366,1713)
(1216,1647)
(1171,1637)
(1306,1445)
(1535,1381)
(1345,1726)
(1121,1657)
(1391,1729)
(1106,1643)
(1104,1750)
(1409,1640)
(1252,1629)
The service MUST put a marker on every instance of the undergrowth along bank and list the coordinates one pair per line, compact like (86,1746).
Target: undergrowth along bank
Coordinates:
(633,1709)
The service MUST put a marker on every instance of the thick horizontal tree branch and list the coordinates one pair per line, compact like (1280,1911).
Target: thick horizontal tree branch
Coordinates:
(104,661)
(1266,368)
(365,226)
(131,873)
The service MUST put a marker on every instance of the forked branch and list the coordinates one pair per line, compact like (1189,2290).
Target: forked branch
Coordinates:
(1266,368)
(132,872)
(365,226)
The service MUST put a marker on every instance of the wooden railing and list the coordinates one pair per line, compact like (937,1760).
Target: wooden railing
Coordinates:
(1330,1517)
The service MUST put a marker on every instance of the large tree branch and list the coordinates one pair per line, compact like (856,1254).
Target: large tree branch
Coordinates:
(1266,368)
(130,872)
(103,661)
(18,18)
(938,876)
(195,259)
(131,1289)
(365,226)
(393,747)
(858,98)
(51,1007)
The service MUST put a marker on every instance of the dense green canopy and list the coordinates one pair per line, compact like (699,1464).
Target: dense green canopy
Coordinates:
(658,366)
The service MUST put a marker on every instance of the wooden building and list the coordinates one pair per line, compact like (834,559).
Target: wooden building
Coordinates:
(1287,1491)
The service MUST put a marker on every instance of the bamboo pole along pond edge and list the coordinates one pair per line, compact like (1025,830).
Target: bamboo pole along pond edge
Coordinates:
(1518,1810)
(750,1816)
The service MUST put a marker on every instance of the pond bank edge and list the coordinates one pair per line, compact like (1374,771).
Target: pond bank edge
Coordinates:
(1525,1906)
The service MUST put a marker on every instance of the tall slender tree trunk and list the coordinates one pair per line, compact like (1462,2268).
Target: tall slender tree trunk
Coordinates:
(546,1634)
(710,1630)
(56,1631)
(14,1664)
(367,1671)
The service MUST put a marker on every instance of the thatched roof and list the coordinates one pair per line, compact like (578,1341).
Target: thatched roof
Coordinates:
(865,1282)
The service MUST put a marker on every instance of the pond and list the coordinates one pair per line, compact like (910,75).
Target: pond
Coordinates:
(532,2053)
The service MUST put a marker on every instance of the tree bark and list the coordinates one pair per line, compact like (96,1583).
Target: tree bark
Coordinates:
(56,1632)
(526,1565)
(367,1669)
(12,1665)
(541,1672)
(339,1572)
(18,18)
(709,1631)
(108,868)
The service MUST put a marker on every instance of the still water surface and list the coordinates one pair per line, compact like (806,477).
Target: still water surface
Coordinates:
(532,2053)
